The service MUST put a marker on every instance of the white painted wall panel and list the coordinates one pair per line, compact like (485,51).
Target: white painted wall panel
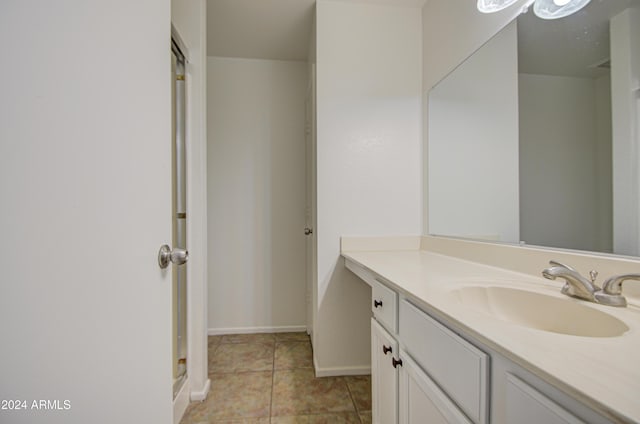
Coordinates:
(368,158)
(256,194)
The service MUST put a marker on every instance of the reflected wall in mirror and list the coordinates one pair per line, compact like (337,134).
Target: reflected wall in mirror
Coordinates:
(535,136)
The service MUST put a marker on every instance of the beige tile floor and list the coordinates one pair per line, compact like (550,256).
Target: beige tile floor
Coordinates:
(269,378)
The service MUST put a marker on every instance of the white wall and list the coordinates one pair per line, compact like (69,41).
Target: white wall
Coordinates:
(368,159)
(558,163)
(256,194)
(473,145)
(189,18)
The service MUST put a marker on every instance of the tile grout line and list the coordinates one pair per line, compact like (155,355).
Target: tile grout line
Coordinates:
(273,377)
(355,406)
(224,341)
(249,371)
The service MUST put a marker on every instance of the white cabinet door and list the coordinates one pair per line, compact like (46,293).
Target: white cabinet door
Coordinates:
(384,376)
(526,405)
(421,400)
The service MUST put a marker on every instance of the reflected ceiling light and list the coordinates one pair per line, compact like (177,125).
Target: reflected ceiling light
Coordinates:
(490,6)
(556,9)
(545,9)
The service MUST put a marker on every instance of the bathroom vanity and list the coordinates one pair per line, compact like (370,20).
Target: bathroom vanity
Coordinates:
(525,143)
(456,341)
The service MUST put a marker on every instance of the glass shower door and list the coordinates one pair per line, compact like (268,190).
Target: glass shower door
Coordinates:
(179,218)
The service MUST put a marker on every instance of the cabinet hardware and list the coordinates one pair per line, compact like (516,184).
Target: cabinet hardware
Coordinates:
(396,362)
(377,303)
(386,349)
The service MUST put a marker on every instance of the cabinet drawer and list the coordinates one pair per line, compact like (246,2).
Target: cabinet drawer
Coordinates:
(384,306)
(458,368)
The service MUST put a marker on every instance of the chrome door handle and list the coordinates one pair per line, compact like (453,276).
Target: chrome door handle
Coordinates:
(308,231)
(176,256)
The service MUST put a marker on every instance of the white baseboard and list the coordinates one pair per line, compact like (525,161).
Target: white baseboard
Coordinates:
(199,396)
(340,371)
(181,402)
(249,330)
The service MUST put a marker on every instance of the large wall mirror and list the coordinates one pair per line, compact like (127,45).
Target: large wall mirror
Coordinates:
(535,138)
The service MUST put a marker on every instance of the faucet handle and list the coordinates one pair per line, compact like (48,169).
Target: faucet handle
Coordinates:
(613,285)
(611,293)
(593,274)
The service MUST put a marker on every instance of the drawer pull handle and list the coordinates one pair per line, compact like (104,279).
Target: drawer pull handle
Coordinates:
(386,349)
(396,362)
(377,303)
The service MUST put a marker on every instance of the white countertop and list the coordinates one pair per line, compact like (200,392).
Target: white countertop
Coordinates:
(602,372)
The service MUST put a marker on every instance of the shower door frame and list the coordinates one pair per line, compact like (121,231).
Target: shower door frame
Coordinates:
(179,213)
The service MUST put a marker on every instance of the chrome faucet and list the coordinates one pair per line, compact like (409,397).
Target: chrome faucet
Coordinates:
(575,284)
(611,293)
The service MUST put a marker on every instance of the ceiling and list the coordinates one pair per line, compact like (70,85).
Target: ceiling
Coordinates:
(267,29)
(571,46)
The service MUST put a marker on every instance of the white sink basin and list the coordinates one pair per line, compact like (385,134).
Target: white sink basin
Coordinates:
(539,311)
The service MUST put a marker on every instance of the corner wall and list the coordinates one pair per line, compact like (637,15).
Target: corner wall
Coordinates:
(368,160)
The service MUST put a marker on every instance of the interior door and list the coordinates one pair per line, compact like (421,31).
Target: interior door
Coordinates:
(85,161)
